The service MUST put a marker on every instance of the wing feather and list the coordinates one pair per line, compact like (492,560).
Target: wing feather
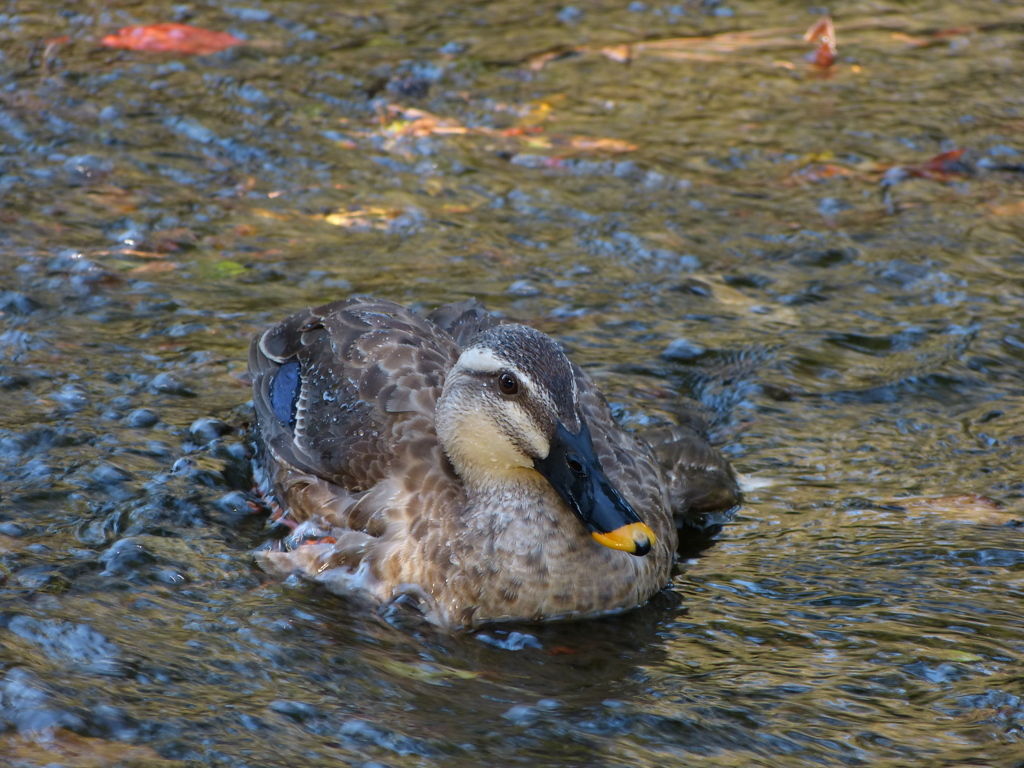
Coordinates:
(362,365)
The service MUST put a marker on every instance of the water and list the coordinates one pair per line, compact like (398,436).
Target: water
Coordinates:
(858,345)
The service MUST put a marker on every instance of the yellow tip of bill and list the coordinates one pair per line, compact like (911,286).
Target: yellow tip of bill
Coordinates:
(635,538)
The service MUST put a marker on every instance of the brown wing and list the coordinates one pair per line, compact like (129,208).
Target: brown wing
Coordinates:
(331,383)
(695,476)
(700,479)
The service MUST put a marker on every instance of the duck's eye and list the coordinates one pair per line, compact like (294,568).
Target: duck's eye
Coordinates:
(508,384)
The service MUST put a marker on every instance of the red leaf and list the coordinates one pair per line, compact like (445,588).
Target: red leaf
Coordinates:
(941,167)
(560,650)
(944,161)
(171,38)
(521,130)
(825,56)
(823,33)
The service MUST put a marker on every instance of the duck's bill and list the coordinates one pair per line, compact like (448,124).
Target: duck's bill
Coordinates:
(635,538)
(574,471)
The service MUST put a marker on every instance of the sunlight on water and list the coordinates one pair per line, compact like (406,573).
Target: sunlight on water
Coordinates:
(804,252)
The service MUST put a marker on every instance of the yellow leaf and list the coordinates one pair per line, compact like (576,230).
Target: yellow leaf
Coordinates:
(618,53)
(595,144)
(264,213)
(426,673)
(362,218)
(154,267)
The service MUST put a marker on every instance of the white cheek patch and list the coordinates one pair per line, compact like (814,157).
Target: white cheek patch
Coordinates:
(483,445)
(488,434)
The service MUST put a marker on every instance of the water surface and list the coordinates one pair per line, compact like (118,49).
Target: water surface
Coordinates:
(860,347)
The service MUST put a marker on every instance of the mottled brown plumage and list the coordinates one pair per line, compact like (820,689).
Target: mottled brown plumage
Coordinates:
(349,407)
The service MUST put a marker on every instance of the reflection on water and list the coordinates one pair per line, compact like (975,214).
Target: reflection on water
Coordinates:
(858,352)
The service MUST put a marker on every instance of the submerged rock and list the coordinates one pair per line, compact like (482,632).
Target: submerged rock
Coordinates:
(67,643)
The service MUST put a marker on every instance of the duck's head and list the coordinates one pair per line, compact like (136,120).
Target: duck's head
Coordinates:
(510,405)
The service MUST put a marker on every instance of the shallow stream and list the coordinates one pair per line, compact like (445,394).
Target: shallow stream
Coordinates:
(718,219)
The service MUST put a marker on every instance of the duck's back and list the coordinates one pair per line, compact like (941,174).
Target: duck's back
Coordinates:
(331,385)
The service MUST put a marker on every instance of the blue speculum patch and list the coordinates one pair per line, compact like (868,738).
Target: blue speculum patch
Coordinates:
(284,392)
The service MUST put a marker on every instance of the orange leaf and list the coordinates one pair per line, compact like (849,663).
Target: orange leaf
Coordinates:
(941,167)
(619,53)
(1016,208)
(153,267)
(537,63)
(818,172)
(363,218)
(171,38)
(941,162)
(521,130)
(824,56)
(936,38)
(913,40)
(822,29)
(594,144)
(823,33)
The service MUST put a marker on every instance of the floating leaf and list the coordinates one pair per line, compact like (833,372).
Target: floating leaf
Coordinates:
(819,172)
(522,130)
(538,62)
(1016,208)
(964,507)
(724,46)
(538,142)
(942,37)
(419,123)
(411,122)
(154,267)
(424,672)
(595,144)
(619,53)
(561,650)
(715,287)
(941,167)
(363,218)
(823,33)
(172,240)
(945,654)
(171,38)
(228,268)
(266,213)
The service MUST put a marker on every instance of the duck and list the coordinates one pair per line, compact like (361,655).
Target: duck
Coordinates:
(463,468)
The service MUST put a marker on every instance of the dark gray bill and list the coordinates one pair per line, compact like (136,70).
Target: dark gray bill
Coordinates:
(574,471)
